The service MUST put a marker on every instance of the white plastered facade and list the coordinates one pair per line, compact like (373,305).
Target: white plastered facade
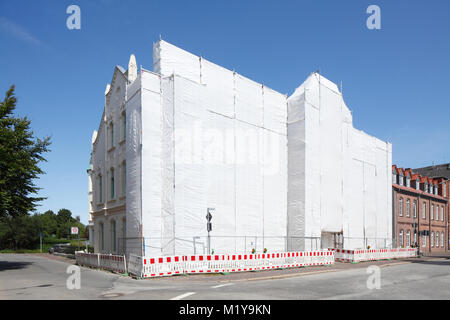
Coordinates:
(200,136)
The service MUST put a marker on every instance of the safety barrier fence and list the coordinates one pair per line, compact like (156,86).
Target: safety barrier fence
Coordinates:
(103,261)
(373,254)
(198,264)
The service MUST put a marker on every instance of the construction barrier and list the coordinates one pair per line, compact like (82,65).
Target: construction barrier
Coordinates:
(103,261)
(197,264)
(135,265)
(373,254)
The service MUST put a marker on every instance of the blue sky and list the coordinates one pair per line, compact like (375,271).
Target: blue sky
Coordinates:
(395,80)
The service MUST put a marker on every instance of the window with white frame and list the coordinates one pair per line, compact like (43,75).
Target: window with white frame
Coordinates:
(417,184)
(394,178)
(415,209)
(407,207)
(432,239)
(442,239)
(112,183)
(432,212)
(400,207)
(437,239)
(408,238)
(400,238)
(100,188)
(408,182)
(424,241)
(400,180)
(442,213)
(424,210)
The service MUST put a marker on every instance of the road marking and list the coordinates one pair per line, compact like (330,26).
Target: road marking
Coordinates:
(222,285)
(184,295)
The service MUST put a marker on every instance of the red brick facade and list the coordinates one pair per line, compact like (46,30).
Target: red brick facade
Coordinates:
(420,211)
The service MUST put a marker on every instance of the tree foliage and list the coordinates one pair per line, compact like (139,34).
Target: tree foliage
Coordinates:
(20,154)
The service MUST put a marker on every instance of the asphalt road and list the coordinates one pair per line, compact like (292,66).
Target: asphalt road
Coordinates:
(38,277)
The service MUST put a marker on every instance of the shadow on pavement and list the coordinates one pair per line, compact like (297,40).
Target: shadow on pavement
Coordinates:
(13,265)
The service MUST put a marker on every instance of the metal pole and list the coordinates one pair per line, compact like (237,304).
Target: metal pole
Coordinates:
(40,241)
(209,244)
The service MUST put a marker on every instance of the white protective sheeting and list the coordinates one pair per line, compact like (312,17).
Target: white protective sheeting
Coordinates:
(133,174)
(222,157)
(151,163)
(342,185)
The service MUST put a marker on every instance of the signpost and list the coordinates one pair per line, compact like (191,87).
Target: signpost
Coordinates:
(209,226)
(74,230)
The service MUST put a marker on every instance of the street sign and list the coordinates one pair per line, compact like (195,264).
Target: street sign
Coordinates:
(74,230)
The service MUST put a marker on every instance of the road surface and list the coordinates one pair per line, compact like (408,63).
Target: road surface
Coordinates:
(24,276)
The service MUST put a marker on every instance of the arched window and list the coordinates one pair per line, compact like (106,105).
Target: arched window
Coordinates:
(407,207)
(408,238)
(437,239)
(424,210)
(100,188)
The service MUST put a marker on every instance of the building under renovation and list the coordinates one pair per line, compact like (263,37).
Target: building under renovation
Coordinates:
(276,173)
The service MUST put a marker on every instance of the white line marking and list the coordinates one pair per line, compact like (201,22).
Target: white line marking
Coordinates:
(181,296)
(222,285)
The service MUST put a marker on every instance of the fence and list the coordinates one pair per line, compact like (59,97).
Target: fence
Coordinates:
(373,254)
(238,244)
(103,261)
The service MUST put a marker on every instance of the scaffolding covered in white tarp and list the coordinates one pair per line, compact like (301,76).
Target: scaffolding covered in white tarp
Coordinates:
(339,177)
(281,173)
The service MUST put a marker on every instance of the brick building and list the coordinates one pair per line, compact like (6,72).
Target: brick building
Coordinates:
(420,211)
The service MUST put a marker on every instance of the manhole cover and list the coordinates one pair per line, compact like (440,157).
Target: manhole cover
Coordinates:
(112,295)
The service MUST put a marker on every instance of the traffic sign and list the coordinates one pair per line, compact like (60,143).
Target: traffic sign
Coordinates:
(74,230)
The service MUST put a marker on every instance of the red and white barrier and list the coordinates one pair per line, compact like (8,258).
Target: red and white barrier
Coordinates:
(198,264)
(373,254)
(104,261)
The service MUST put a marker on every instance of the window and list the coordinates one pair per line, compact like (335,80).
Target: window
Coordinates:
(400,238)
(124,125)
(112,183)
(432,239)
(415,238)
(437,239)
(408,238)
(444,189)
(113,235)
(111,135)
(432,212)
(400,180)
(394,178)
(415,209)
(417,184)
(100,188)
(424,241)
(400,207)
(442,213)
(424,210)
(407,208)
(442,239)
(408,183)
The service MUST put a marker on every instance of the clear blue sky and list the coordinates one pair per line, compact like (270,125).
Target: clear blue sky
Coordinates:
(395,80)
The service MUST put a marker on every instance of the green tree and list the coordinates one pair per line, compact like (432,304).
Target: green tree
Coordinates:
(20,154)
